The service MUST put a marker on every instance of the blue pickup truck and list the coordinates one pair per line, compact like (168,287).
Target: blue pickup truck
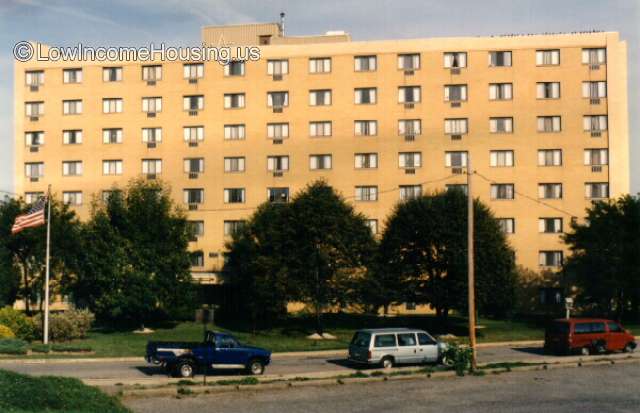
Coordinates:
(217,351)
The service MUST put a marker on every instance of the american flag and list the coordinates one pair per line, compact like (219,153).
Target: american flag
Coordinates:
(33,218)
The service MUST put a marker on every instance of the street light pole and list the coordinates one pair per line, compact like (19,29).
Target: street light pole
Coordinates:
(470,265)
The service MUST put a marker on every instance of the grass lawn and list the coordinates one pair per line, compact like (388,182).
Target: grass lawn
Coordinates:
(25,394)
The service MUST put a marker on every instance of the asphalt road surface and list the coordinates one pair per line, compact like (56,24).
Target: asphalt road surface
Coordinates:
(603,388)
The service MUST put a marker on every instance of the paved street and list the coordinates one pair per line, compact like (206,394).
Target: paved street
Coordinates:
(607,388)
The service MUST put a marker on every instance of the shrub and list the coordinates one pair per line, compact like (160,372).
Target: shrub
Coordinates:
(69,324)
(40,348)
(5,332)
(22,326)
(13,346)
(459,358)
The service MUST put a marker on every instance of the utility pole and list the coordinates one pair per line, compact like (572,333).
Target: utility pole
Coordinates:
(471,283)
(45,334)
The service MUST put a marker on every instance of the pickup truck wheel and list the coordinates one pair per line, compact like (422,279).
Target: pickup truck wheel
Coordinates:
(185,369)
(256,367)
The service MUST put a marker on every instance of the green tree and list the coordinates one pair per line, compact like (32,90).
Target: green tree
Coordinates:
(424,250)
(134,264)
(605,260)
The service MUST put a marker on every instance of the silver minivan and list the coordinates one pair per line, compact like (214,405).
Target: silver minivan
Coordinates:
(389,346)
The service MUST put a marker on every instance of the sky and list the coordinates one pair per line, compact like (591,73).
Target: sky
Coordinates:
(178,23)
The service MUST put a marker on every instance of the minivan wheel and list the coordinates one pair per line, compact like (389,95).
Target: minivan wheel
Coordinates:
(629,348)
(600,347)
(387,362)
(585,351)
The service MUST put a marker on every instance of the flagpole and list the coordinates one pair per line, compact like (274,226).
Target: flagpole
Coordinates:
(45,334)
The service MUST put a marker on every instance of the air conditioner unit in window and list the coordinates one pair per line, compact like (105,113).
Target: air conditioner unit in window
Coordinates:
(277,141)
(456,171)
(410,171)
(277,76)
(594,67)
(277,173)
(33,149)
(595,101)
(193,113)
(409,105)
(193,81)
(596,134)
(34,88)
(151,82)
(596,168)
(193,175)
(193,144)
(151,176)
(193,207)
(456,137)
(151,114)
(33,118)
(409,137)
(151,145)
(409,72)
(456,104)
(277,109)
(455,70)
(34,179)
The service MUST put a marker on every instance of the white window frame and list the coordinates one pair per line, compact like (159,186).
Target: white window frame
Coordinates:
(365,127)
(319,65)
(72,168)
(456,126)
(503,158)
(323,126)
(235,132)
(366,193)
(455,60)
(555,155)
(371,66)
(367,160)
(107,133)
(112,167)
(112,105)
(237,98)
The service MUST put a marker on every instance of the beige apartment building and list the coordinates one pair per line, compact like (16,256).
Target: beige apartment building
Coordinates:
(542,117)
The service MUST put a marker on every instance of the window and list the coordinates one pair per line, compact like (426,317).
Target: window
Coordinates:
(366,193)
(406,340)
(278,163)
(31,197)
(320,128)
(550,259)
(72,198)
(112,105)
(197,259)
(596,156)
(596,190)
(151,166)
(72,107)
(318,162)
(500,91)
(193,134)
(112,167)
(455,60)
(594,90)
(193,195)
(373,225)
(71,168)
(595,56)
(277,130)
(550,157)
(408,192)
(234,132)
(549,124)
(152,105)
(233,100)
(277,99)
(72,75)
(277,67)
(232,227)
(547,57)
(502,191)
(194,102)
(72,137)
(409,94)
(384,340)
(196,228)
(234,195)
(456,126)
(234,68)
(234,164)
(320,65)
(193,71)
(456,159)
(320,97)
(34,169)
(111,74)
(151,135)
(550,191)
(365,95)
(409,127)
(594,123)
(34,109)
(34,138)
(365,63)
(507,225)
(457,187)
(410,61)
(501,158)
(501,125)
(112,135)
(193,165)
(34,77)
(548,90)
(455,93)
(409,159)
(500,59)
(366,160)
(278,194)
(366,128)
(152,73)
(425,339)
(614,327)
(550,225)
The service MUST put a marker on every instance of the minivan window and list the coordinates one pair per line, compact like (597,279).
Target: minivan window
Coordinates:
(582,328)
(385,340)
(597,328)
(559,328)
(361,339)
(406,339)
(425,339)
(614,327)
